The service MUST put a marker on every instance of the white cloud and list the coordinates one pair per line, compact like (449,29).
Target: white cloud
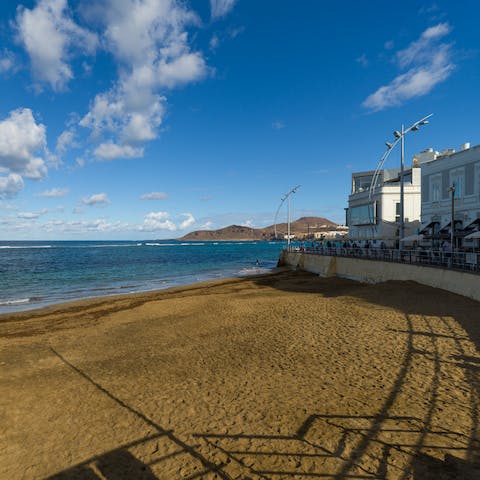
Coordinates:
(158,221)
(239,218)
(162,221)
(52,159)
(112,151)
(278,125)
(188,222)
(141,126)
(122,113)
(54,193)
(10,185)
(49,34)
(152,51)
(248,223)
(428,9)
(8,206)
(229,33)
(82,226)
(150,42)
(32,215)
(415,82)
(16,224)
(389,44)
(66,140)
(154,196)
(220,8)
(152,222)
(21,140)
(214,42)
(7,61)
(363,60)
(186,68)
(421,50)
(207,225)
(28,215)
(234,32)
(137,30)
(96,199)
(429,64)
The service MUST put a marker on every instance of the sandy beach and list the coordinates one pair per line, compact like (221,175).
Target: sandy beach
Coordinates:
(285,376)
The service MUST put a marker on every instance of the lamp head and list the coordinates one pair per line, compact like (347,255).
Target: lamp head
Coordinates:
(397,134)
(415,127)
(423,122)
(389,145)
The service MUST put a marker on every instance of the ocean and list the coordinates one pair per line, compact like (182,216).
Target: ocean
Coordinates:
(36,274)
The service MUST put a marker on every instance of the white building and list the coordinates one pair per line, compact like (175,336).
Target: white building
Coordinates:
(339,233)
(440,172)
(375,216)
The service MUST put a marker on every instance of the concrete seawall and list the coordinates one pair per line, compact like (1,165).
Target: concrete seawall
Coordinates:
(373,271)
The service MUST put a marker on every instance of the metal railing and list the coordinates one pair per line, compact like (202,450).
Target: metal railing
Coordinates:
(456,260)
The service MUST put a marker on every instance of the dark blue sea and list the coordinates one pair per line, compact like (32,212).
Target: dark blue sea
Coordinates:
(35,274)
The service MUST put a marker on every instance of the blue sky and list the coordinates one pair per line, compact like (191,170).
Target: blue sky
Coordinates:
(132,119)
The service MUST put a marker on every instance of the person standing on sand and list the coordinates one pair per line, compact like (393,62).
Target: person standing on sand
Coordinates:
(257,263)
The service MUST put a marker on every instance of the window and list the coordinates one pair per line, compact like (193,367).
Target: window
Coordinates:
(363,215)
(457,178)
(436,187)
(458,182)
(360,184)
(397,212)
(477,169)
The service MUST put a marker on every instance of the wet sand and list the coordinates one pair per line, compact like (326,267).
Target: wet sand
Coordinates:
(285,376)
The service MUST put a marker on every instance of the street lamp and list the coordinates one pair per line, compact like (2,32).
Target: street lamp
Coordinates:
(286,197)
(399,137)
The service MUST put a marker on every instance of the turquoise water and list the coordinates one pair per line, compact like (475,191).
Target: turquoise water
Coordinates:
(34,274)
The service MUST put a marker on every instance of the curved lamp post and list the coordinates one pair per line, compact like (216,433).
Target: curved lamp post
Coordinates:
(286,197)
(399,137)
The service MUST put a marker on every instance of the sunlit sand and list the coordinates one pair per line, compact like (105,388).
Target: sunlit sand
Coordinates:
(274,377)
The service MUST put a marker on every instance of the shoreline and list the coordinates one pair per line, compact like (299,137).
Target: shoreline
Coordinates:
(145,295)
(24,307)
(70,271)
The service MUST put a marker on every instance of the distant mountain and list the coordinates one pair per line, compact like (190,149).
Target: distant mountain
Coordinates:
(300,228)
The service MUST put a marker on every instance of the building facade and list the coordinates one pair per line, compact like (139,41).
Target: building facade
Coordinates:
(340,232)
(373,214)
(440,173)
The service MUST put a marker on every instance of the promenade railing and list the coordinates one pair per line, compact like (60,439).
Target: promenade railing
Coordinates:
(456,260)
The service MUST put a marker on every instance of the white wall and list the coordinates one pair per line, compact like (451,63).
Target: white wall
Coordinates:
(372,271)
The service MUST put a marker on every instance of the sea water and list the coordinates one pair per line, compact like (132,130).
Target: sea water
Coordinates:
(35,274)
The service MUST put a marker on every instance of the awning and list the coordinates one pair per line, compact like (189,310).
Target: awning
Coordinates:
(430,226)
(475,223)
(413,238)
(445,231)
(446,228)
(473,235)
(471,228)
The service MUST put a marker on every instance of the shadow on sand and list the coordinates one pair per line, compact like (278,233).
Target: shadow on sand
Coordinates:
(352,440)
